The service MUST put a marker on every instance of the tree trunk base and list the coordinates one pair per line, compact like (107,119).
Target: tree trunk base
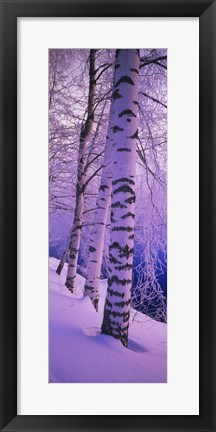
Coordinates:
(61,263)
(70,286)
(118,333)
(123,339)
(59,268)
(95,303)
(94,299)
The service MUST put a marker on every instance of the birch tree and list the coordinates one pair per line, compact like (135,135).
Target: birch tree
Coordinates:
(125,132)
(78,213)
(67,102)
(100,217)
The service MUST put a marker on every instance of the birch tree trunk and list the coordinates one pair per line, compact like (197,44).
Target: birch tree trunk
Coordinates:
(62,261)
(100,218)
(125,132)
(78,213)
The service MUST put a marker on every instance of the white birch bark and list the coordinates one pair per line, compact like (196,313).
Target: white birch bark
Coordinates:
(78,213)
(125,132)
(100,218)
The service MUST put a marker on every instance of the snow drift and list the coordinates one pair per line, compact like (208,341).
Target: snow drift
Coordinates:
(78,353)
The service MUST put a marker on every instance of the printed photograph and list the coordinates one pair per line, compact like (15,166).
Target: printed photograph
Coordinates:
(108,215)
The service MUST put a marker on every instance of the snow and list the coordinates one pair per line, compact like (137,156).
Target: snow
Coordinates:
(78,353)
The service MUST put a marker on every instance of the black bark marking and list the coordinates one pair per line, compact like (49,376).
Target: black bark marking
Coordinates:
(91,249)
(116,128)
(109,304)
(118,327)
(88,288)
(123,149)
(122,303)
(95,302)
(124,79)
(112,292)
(123,180)
(124,315)
(131,237)
(131,200)
(112,217)
(72,256)
(73,249)
(124,189)
(134,136)
(125,252)
(103,187)
(136,102)
(78,227)
(129,214)
(113,259)
(127,112)
(115,245)
(122,228)
(117,65)
(118,205)
(134,70)
(116,95)
(124,267)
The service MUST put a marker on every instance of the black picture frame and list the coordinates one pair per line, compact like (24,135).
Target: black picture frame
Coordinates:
(10,11)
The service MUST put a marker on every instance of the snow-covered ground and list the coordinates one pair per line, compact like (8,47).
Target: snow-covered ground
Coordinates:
(78,353)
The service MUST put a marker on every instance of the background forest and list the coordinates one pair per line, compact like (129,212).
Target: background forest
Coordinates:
(107,181)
